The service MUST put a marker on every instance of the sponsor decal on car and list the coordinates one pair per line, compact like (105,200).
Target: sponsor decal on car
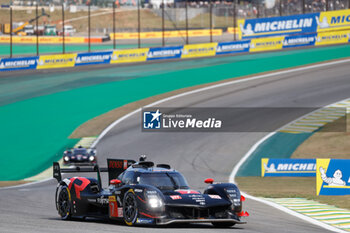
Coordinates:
(102,200)
(187,191)
(144,220)
(120,211)
(175,197)
(151,192)
(214,196)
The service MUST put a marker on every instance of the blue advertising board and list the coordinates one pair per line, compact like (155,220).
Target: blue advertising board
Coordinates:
(20,63)
(284,25)
(301,40)
(288,167)
(233,47)
(164,53)
(333,177)
(93,58)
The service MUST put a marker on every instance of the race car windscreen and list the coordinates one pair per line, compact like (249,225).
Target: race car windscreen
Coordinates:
(82,151)
(166,181)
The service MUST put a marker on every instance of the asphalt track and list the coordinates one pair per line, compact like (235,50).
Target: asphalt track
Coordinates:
(197,155)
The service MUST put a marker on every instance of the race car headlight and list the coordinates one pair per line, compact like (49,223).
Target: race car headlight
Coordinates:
(236,202)
(66,158)
(155,202)
(91,158)
(233,196)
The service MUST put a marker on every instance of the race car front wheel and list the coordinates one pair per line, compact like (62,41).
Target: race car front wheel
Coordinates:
(130,210)
(64,203)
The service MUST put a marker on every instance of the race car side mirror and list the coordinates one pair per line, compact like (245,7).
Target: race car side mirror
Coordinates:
(209,181)
(115,182)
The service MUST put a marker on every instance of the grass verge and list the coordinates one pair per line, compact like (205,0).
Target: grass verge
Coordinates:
(326,144)
(288,187)
(12,183)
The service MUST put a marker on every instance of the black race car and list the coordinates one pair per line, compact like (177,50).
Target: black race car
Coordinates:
(80,156)
(141,193)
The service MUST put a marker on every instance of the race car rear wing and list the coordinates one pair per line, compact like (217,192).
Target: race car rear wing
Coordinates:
(115,168)
(57,171)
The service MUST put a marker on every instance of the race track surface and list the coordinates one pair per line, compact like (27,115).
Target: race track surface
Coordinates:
(196,155)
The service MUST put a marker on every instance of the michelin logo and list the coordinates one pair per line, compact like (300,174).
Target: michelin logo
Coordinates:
(336,180)
(17,63)
(91,58)
(232,47)
(290,167)
(164,53)
(335,21)
(277,25)
(323,23)
(297,41)
(333,177)
(152,120)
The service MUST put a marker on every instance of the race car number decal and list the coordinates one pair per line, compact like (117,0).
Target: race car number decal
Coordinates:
(113,207)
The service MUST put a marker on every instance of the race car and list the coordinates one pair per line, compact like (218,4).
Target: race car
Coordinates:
(80,156)
(145,194)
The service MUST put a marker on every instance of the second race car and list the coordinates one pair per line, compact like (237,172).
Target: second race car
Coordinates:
(80,156)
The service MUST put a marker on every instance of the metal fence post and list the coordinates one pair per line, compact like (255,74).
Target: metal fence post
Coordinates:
(280,7)
(10,31)
(211,20)
(89,28)
(63,32)
(163,26)
(37,29)
(234,2)
(303,2)
(187,21)
(114,45)
(138,23)
(327,2)
(258,9)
